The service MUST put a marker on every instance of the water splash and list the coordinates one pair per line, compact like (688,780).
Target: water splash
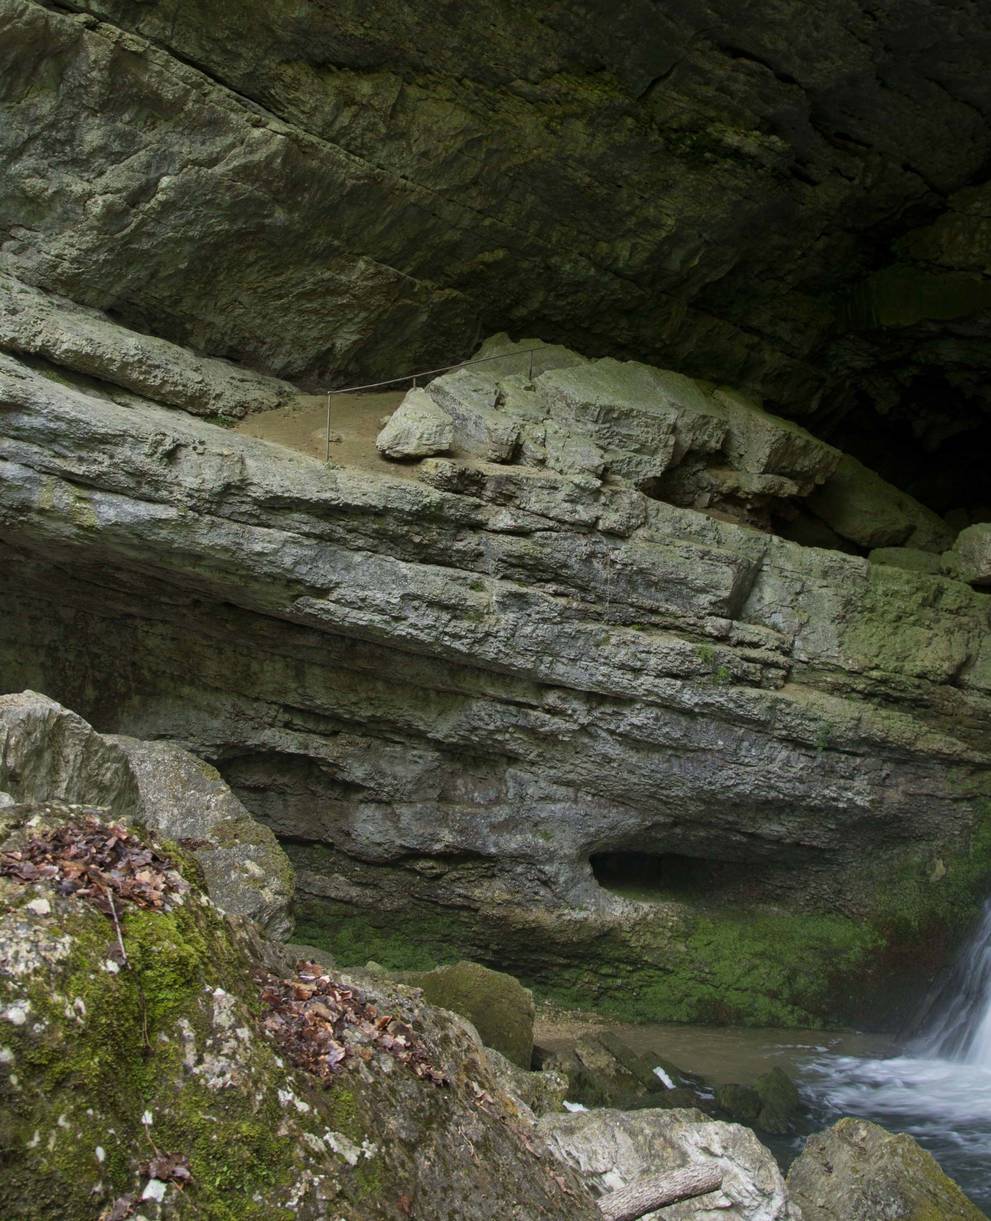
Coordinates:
(939,1090)
(958,1023)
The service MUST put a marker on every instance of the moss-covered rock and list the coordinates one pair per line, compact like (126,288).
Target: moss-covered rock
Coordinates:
(780,1102)
(107,1060)
(856,1171)
(496,1004)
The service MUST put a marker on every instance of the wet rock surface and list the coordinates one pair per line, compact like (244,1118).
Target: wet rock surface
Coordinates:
(856,1171)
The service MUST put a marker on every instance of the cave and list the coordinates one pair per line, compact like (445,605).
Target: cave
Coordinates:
(655,877)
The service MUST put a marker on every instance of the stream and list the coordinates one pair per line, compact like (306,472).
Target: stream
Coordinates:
(917,1088)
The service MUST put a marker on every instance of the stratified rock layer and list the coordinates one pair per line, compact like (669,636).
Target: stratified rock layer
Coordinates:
(790,199)
(481,707)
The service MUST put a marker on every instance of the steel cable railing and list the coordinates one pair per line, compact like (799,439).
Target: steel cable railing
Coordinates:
(425,373)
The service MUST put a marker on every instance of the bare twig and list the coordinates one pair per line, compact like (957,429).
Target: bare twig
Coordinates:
(125,961)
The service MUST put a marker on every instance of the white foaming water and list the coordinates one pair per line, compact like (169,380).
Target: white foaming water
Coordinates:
(941,1094)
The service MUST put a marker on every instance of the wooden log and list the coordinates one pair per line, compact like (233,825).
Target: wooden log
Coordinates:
(658,1191)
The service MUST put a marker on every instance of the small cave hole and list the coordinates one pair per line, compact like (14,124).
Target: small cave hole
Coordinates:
(649,877)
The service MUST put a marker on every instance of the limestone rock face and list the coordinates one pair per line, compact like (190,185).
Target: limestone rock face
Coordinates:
(84,340)
(614,1148)
(48,753)
(856,1171)
(788,201)
(451,696)
(103,1065)
(246,872)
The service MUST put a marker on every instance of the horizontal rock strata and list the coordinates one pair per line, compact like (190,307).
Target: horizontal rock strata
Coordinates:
(455,705)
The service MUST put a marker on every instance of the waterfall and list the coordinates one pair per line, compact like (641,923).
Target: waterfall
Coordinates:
(958,1026)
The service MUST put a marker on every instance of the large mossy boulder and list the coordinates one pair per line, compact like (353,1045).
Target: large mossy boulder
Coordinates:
(496,1004)
(856,1171)
(147,1065)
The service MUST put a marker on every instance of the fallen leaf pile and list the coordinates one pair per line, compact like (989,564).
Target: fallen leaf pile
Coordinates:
(96,861)
(318,1023)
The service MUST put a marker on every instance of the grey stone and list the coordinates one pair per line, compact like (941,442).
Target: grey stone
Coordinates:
(738,225)
(973,551)
(615,1148)
(88,342)
(861,506)
(856,1171)
(48,753)
(246,872)
(402,678)
(418,428)
(469,398)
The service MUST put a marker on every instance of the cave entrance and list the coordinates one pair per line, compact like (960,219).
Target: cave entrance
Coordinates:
(652,877)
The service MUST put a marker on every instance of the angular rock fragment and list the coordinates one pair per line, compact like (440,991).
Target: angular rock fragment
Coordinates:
(88,342)
(615,1148)
(864,508)
(418,428)
(973,551)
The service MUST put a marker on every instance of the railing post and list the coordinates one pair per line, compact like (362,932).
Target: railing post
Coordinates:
(529,377)
(326,456)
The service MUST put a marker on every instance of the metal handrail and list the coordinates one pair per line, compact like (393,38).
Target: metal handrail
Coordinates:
(414,377)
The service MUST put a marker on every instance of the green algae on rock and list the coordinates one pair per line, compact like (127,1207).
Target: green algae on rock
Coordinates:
(496,1004)
(104,1064)
(856,1171)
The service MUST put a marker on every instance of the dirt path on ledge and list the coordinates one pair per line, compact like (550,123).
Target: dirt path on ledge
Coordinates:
(355,418)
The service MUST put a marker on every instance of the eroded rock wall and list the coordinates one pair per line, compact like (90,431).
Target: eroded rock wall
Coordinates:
(447,703)
(788,198)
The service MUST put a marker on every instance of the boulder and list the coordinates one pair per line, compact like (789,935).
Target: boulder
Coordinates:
(418,428)
(48,753)
(864,508)
(172,1078)
(780,1102)
(973,549)
(246,872)
(602,1070)
(612,1149)
(740,1102)
(857,1171)
(469,399)
(496,1004)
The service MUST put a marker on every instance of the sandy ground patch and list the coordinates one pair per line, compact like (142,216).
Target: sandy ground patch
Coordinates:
(355,422)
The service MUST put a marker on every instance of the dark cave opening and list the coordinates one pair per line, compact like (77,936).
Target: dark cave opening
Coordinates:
(653,877)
